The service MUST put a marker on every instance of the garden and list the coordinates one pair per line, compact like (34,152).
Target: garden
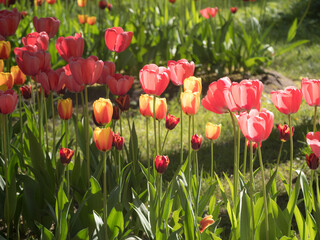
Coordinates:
(168,119)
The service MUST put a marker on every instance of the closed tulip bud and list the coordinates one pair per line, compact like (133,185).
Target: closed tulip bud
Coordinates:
(103,138)
(103,4)
(254,146)
(117,40)
(205,223)
(82,18)
(18,76)
(312,161)
(66,155)
(196,142)
(123,102)
(172,1)
(91,20)
(103,110)
(171,122)
(82,3)
(212,131)
(145,105)
(116,113)
(65,108)
(233,9)
(161,108)
(5,49)
(118,141)
(8,101)
(6,81)
(161,163)
(190,102)
(284,132)
(26,91)
(192,84)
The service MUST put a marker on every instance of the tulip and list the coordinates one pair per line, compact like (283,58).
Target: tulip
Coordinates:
(108,71)
(161,163)
(109,6)
(103,4)
(82,3)
(312,161)
(247,94)
(51,2)
(284,132)
(123,102)
(233,9)
(172,1)
(103,138)
(1,65)
(86,71)
(254,145)
(193,84)
(154,80)
(313,140)
(5,49)
(26,91)
(103,110)
(209,12)
(66,155)
(9,21)
(65,108)
(180,70)
(23,14)
(116,113)
(145,105)
(212,131)
(70,46)
(118,141)
(18,76)
(41,40)
(39,2)
(205,223)
(190,102)
(171,121)
(82,18)
(311,91)
(50,81)
(120,84)
(7,3)
(50,25)
(8,101)
(67,78)
(91,20)
(6,81)
(117,40)
(196,142)
(161,108)
(219,98)
(287,101)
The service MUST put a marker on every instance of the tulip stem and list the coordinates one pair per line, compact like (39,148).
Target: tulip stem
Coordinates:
(66,131)
(311,184)
(314,119)
(41,114)
(181,131)
(147,136)
(53,133)
(107,91)
(104,155)
(245,158)
(46,120)
(236,164)
(120,121)
(212,160)
(189,157)
(155,132)
(87,132)
(252,189)
(76,126)
(21,125)
(164,141)
(6,160)
(291,155)
(159,139)
(279,156)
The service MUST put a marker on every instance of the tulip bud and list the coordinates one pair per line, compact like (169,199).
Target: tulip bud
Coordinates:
(103,110)
(161,163)
(103,4)
(51,2)
(212,131)
(1,65)
(254,146)
(312,161)
(5,49)
(65,108)
(82,3)
(171,121)
(233,9)
(23,14)
(66,155)
(103,138)
(26,91)
(196,142)
(109,6)
(284,132)
(116,113)
(205,222)
(118,141)
(172,1)
(123,102)
(82,18)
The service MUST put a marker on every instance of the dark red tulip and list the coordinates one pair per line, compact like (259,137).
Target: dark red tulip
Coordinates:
(161,163)
(196,142)
(123,102)
(66,155)
(172,1)
(233,9)
(171,122)
(26,91)
(50,25)
(9,21)
(103,4)
(41,40)
(284,132)
(118,141)
(254,146)
(116,113)
(312,161)
(117,40)
(70,46)
(109,6)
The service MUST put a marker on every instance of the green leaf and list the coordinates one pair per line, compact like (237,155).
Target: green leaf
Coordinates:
(292,31)
(95,186)
(46,234)
(115,222)
(291,46)
(99,230)
(245,216)
(82,235)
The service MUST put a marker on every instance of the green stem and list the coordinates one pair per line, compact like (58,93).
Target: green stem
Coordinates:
(245,157)
(314,119)
(41,114)
(21,125)
(264,193)
(279,156)
(252,189)
(104,154)
(159,139)
(68,182)
(147,136)
(6,160)
(66,122)
(181,132)
(164,141)
(120,121)
(212,160)
(192,124)
(120,175)
(87,132)
(189,156)
(76,126)
(155,132)
(53,132)
(46,120)
(291,155)
(235,157)
(107,91)
(311,186)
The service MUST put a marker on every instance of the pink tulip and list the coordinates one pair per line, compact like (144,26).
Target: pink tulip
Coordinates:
(109,69)
(256,126)
(9,21)
(117,40)
(50,81)
(180,70)
(287,101)
(67,78)
(311,91)
(68,47)
(154,80)
(8,101)
(49,25)
(313,140)
(209,12)
(41,40)
(219,98)
(120,84)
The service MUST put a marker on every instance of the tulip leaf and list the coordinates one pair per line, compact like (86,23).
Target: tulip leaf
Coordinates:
(99,229)
(46,234)
(245,216)
(95,186)
(115,221)
(82,235)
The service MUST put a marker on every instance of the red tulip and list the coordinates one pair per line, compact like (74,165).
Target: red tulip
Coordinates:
(109,69)
(67,78)
(8,101)
(23,14)
(254,146)
(9,21)
(120,84)
(68,47)
(117,40)
(32,60)
(287,101)
(103,4)
(26,91)
(116,113)
(50,25)
(172,1)
(313,140)
(311,91)
(154,80)
(180,70)
(171,121)
(86,71)
(41,40)
(118,141)
(123,102)
(312,161)
(161,163)
(196,142)
(233,9)
(256,126)
(51,2)
(50,81)
(66,155)
(205,223)
(247,94)
(219,98)
(209,12)
(284,132)
(109,6)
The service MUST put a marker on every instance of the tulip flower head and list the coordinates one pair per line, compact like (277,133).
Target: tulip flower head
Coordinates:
(193,84)
(41,40)
(5,49)
(196,142)
(311,91)
(312,161)
(70,47)
(9,21)
(8,101)
(109,6)
(205,223)
(82,3)
(118,141)
(6,81)
(145,105)
(212,131)
(91,20)
(123,102)
(233,9)
(190,102)
(161,108)
(287,101)
(120,84)
(171,121)
(103,138)
(284,132)
(1,65)
(50,81)
(313,140)
(66,155)
(26,91)
(103,110)
(103,4)
(117,40)
(180,70)
(209,12)
(254,146)
(116,113)
(50,25)
(108,71)
(172,1)
(161,163)
(18,76)
(82,18)
(65,108)
(51,2)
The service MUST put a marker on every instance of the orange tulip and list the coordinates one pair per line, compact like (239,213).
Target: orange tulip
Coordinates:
(5,49)
(1,65)
(6,81)
(205,222)
(82,18)
(82,3)
(91,20)
(65,108)
(161,108)
(190,102)
(103,138)
(145,102)
(18,76)
(212,131)
(193,84)
(102,110)
(51,1)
